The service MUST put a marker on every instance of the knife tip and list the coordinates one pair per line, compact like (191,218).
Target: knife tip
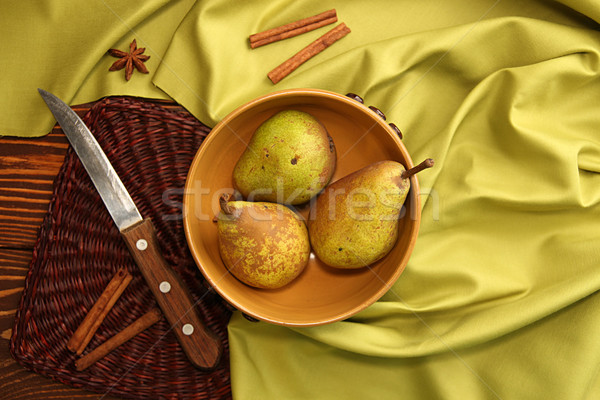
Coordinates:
(46,96)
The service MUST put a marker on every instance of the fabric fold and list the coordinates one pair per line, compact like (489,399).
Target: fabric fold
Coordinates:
(61,47)
(500,296)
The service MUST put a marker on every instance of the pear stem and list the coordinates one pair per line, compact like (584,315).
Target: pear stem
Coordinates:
(428,163)
(223,200)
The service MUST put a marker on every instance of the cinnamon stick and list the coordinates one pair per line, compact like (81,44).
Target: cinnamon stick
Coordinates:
(293,32)
(139,325)
(98,312)
(288,66)
(293,28)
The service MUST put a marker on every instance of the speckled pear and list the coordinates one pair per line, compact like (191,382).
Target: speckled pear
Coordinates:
(354,221)
(264,245)
(289,159)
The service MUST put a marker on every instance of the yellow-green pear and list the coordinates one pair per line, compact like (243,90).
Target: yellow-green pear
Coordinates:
(354,221)
(264,245)
(288,160)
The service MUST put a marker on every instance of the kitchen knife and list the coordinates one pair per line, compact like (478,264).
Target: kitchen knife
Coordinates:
(200,345)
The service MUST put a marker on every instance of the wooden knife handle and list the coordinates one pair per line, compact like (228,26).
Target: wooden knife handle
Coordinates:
(200,345)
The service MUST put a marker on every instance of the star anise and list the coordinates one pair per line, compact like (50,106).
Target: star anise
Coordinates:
(134,58)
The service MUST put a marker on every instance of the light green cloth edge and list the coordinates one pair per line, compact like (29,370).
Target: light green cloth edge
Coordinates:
(502,95)
(62,47)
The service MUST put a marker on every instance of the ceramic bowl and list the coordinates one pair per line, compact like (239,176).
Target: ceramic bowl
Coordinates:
(321,294)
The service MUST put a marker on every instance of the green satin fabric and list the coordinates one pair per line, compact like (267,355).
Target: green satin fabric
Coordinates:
(500,297)
(61,47)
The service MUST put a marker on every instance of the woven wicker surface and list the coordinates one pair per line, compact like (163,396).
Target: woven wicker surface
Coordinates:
(79,249)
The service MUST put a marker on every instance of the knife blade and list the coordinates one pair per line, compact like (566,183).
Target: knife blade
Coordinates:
(200,345)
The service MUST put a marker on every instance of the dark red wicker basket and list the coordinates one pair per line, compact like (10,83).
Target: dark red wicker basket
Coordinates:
(151,145)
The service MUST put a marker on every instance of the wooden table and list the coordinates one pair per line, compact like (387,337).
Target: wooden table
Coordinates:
(28,167)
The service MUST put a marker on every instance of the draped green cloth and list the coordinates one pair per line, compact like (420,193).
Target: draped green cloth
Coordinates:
(500,297)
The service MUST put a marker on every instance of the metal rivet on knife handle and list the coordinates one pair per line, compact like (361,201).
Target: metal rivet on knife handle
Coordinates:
(165,287)
(187,329)
(203,348)
(200,345)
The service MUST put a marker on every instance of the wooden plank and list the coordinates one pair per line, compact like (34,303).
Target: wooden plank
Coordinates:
(15,264)
(17,383)
(27,172)
(28,167)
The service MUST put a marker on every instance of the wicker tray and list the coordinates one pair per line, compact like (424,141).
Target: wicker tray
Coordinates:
(151,145)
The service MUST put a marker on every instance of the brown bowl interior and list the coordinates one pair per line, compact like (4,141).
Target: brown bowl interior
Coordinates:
(321,294)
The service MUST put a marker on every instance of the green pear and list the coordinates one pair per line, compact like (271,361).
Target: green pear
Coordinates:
(354,221)
(264,245)
(289,159)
